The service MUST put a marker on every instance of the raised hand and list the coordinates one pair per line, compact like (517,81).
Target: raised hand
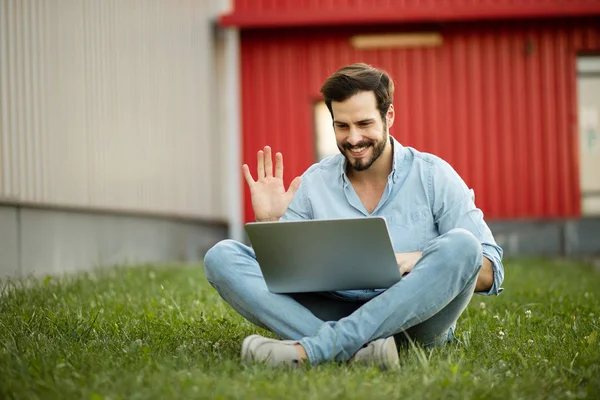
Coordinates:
(269,197)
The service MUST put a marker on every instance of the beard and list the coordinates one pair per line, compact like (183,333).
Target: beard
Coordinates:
(364,163)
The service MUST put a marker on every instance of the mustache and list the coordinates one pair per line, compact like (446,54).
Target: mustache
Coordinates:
(364,143)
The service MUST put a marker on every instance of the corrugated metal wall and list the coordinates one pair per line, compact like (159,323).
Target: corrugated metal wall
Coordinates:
(110,104)
(497,101)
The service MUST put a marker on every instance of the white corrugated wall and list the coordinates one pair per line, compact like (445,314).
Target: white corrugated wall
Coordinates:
(111,104)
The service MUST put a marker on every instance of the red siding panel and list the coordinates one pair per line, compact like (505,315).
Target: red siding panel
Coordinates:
(497,102)
(279,13)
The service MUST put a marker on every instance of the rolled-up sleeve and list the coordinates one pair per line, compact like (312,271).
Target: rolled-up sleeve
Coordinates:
(453,206)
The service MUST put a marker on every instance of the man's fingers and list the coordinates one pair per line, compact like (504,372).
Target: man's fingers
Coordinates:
(403,269)
(260,165)
(279,165)
(402,264)
(246,171)
(268,162)
(294,185)
(247,175)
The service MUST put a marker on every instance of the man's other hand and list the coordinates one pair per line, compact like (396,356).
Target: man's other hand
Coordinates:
(407,261)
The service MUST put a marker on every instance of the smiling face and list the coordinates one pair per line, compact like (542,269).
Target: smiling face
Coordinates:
(360,132)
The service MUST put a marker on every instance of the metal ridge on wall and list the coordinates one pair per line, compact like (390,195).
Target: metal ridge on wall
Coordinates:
(292,13)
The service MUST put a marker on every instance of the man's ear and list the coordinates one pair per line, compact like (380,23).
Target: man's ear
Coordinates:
(390,116)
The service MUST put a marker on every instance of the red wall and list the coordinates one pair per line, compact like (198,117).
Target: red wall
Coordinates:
(497,101)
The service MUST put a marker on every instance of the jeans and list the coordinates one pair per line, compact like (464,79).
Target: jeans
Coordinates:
(423,306)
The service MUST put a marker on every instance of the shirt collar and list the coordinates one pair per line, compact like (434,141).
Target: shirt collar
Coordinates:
(397,156)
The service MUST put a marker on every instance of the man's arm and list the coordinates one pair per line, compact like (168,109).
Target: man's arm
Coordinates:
(485,279)
(453,206)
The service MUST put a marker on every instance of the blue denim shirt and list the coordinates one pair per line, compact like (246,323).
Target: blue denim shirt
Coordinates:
(424,198)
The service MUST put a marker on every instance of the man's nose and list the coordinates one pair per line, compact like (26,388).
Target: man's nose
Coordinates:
(354,136)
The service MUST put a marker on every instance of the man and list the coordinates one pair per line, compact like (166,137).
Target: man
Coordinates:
(445,250)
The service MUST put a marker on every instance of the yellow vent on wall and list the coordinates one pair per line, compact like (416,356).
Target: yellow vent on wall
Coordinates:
(396,40)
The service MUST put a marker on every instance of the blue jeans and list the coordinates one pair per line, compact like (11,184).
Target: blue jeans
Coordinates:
(423,306)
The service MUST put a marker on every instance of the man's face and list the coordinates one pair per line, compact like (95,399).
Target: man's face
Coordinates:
(360,133)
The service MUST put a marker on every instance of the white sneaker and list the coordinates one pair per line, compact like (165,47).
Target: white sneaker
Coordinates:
(381,352)
(274,353)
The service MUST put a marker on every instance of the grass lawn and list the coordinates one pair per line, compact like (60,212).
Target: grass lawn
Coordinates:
(162,332)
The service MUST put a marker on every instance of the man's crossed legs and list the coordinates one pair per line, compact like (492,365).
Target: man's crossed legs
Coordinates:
(424,305)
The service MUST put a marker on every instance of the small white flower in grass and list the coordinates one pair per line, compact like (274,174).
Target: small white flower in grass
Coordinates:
(496,317)
(528,314)
(530,341)
(482,305)
(500,335)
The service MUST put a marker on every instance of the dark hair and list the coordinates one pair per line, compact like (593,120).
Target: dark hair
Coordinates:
(349,80)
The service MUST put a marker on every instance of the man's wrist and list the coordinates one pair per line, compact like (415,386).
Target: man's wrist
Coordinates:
(268,220)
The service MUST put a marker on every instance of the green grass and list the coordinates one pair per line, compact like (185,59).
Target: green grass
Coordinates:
(153,332)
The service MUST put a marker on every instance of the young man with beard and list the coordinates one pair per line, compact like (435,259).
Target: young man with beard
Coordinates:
(444,249)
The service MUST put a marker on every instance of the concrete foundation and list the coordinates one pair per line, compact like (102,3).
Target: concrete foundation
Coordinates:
(570,238)
(43,241)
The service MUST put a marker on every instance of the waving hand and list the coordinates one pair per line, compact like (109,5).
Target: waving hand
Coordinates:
(269,197)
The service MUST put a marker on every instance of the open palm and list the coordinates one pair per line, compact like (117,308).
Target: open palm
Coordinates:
(269,197)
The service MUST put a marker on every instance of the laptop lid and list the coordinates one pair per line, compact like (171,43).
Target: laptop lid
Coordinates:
(324,255)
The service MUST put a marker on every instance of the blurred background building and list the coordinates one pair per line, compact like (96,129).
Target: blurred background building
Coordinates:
(123,123)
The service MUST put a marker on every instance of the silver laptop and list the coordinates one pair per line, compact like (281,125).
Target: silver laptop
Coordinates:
(324,255)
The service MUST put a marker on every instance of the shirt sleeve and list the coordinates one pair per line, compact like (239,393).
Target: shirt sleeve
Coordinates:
(453,206)
(299,209)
